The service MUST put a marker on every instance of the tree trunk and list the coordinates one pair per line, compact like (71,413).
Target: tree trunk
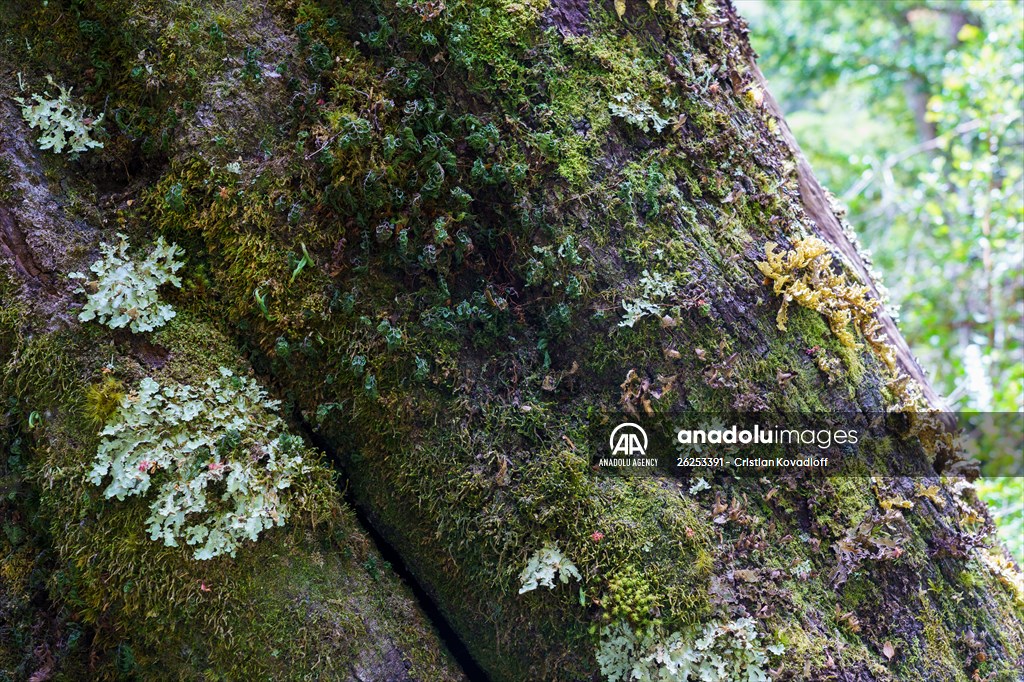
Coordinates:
(449,236)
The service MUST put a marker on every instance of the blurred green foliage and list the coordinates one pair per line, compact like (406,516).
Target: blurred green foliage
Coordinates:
(1005,496)
(911,112)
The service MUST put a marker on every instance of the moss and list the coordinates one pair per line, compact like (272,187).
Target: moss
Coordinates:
(102,400)
(199,349)
(423,241)
(938,656)
(40,368)
(488,40)
(598,66)
(12,314)
(8,190)
(275,611)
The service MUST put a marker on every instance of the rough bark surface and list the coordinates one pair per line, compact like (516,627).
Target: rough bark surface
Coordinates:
(417,223)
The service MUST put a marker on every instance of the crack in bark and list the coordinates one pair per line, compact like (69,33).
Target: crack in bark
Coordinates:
(428,606)
(14,246)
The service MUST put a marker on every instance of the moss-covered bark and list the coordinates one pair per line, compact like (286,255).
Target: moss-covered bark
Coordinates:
(419,221)
(84,592)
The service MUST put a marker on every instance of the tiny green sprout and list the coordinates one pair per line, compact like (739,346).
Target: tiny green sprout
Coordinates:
(34,419)
(261,301)
(370,386)
(174,199)
(358,365)
(282,348)
(324,410)
(392,334)
(422,369)
(306,260)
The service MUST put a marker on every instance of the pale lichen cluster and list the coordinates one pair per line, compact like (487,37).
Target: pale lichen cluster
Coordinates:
(716,652)
(719,652)
(638,112)
(543,567)
(655,288)
(122,292)
(220,458)
(63,124)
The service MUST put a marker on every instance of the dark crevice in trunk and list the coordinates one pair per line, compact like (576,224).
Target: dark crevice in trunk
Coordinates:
(427,604)
(19,253)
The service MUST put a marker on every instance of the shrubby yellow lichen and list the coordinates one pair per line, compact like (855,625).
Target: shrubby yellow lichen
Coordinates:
(1004,570)
(806,275)
(217,451)
(670,5)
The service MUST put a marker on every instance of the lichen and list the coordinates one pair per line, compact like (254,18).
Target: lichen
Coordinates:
(62,123)
(719,652)
(124,292)
(806,275)
(639,113)
(544,565)
(654,289)
(221,459)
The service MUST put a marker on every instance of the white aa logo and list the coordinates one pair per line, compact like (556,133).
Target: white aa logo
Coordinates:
(628,439)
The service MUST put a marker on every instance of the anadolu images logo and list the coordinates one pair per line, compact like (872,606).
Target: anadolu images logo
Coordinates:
(628,439)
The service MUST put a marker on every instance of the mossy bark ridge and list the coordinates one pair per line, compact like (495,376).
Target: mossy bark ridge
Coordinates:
(445,235)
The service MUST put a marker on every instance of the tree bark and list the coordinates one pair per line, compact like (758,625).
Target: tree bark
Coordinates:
(417,223)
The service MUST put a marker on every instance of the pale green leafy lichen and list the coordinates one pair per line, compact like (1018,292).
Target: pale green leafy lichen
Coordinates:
(720,652)
(124,292)
(637,112)
(654,288)
(62,123)
(542,567)
(219,455)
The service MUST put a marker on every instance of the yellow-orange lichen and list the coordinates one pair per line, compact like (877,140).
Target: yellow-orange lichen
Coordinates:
(805,275)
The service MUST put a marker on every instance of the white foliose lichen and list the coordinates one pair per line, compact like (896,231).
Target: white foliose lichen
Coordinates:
(654,289)
(62,123)
(638,112)
(720,652)
(221,458)
(543,567)
(124,293)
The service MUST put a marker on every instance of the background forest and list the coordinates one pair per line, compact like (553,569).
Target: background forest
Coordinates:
(911,113)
